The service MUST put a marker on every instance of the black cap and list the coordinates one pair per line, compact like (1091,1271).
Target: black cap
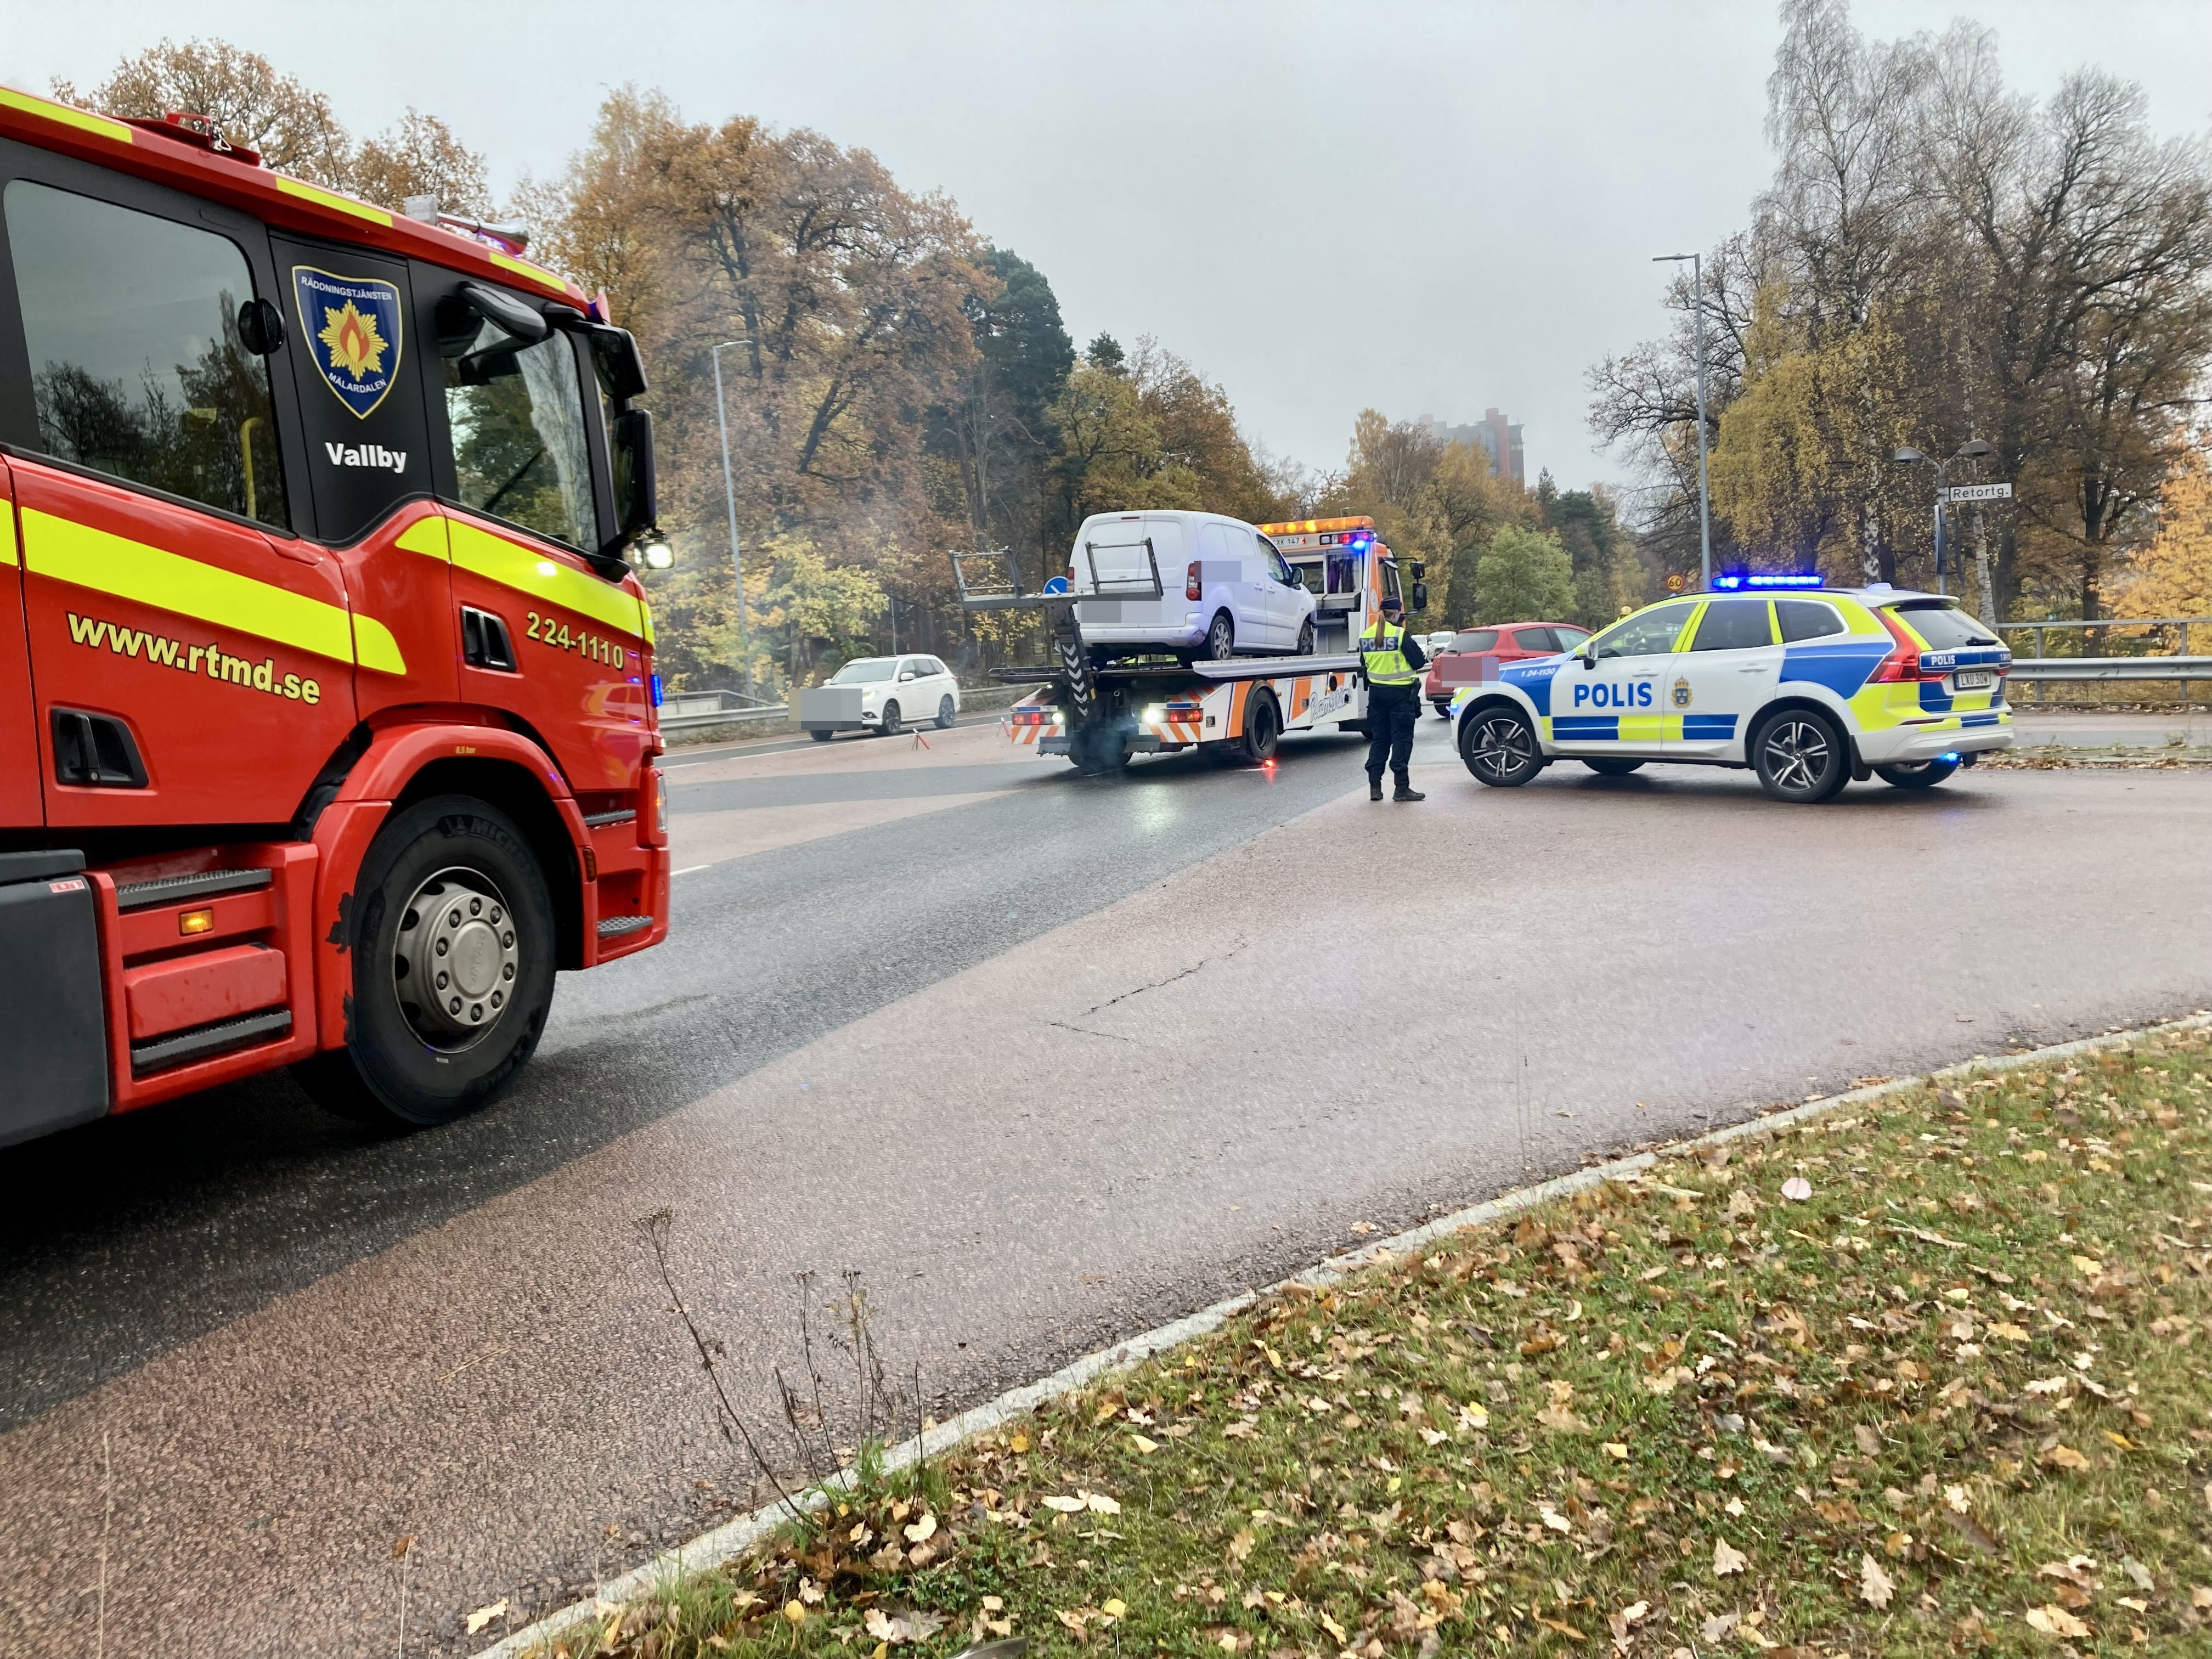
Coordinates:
(1392,602)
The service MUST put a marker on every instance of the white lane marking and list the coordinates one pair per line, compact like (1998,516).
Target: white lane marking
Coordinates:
(687,869)
(711,1549)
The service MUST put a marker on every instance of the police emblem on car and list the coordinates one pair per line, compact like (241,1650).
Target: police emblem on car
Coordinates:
(1681,693)
(352,326)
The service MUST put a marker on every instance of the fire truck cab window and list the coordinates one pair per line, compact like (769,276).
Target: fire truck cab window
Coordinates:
(137,367)
(516,413)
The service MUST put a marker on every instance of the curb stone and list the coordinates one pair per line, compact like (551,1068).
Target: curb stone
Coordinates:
(734,1538)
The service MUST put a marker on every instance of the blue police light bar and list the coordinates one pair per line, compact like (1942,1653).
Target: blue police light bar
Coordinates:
(1763,580)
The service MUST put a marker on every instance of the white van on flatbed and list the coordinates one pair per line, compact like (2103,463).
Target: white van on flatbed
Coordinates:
(1193,585)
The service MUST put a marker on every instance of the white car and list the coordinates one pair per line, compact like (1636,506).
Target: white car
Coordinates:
(880,694)
(1195,584)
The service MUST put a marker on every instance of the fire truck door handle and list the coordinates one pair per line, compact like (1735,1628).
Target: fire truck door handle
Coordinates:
(298,551)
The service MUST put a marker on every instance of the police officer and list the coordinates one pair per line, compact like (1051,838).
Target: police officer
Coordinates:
(1391,661)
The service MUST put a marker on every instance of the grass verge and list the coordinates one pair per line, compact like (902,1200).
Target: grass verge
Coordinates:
(1926,1377)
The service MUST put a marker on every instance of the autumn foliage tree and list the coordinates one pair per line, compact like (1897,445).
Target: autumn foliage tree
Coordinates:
(1937,258)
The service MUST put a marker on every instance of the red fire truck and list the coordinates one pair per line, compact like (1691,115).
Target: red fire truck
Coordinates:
(327,728)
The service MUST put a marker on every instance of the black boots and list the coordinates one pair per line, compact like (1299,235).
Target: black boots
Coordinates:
(1405,791)
(1375,789)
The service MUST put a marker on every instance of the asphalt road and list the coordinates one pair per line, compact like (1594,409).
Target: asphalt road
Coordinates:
(1045,1059)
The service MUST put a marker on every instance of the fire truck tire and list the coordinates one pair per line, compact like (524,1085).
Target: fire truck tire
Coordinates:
(449,885)
(1263,729)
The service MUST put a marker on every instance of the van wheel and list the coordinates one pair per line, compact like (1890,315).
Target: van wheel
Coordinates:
(1606,767)
(1916,774)
(1499,747)
(1220,639)
(1305,645)
(820,736)
(451,938)
(1263,729)
(945,712)
(890,723)
(1800,757)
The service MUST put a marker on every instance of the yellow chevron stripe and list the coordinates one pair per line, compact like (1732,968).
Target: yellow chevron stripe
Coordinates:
(523,268)
(331,199)
(426,535)
(108,564)
(373,647)
(526,571)
(62,113)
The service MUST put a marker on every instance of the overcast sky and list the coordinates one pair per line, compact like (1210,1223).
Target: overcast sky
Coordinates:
(1422,208)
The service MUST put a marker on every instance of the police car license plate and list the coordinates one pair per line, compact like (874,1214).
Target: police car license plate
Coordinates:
(1976,679)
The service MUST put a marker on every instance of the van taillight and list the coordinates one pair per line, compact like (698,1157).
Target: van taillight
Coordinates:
(1192,587)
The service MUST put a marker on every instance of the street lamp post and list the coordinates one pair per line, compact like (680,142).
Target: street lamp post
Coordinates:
(1972,449)
(1705,499)
(730,497)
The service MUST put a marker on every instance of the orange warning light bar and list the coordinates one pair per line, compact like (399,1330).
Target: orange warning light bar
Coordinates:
(1314,527)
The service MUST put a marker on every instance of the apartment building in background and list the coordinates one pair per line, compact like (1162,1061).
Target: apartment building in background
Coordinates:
(1496,438)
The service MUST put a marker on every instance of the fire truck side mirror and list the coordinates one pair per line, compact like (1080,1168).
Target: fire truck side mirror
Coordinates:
(1420,594)
(637,497)
(260,327)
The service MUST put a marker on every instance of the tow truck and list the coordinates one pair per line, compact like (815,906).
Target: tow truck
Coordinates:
(327,708)
(1102,716)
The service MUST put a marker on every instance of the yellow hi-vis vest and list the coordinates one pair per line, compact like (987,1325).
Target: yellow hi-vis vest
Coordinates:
(1384,662)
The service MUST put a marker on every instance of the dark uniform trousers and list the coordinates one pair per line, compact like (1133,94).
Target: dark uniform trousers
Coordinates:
(1393,712)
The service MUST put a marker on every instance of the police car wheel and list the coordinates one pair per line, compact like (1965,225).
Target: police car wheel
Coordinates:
(1801,756)
(1916,774)
(1606,766)
(1499,747)
(450,936)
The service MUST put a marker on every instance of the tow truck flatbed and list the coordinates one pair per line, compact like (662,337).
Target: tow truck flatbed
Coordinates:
(1236,668)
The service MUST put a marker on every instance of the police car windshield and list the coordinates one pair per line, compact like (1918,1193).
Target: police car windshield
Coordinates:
(1943,626)
(875,668)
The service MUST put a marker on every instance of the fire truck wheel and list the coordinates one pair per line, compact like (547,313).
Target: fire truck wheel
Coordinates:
(1263,729)
(451,938)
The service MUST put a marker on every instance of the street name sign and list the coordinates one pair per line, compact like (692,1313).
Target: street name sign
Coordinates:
(1996,492)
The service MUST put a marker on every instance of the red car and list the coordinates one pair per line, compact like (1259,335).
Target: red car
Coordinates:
(1505,642)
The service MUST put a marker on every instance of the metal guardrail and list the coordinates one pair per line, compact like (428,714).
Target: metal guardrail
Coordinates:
(693,711)
(2115,624)
(2037,669)
(688,710)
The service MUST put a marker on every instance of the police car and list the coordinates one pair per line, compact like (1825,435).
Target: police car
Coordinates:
(1809,686)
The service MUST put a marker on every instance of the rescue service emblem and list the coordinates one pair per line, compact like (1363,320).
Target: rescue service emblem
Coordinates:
(352,326)
(1681,693)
